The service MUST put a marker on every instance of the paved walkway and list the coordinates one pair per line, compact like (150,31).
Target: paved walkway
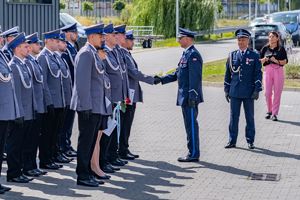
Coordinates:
(158,136)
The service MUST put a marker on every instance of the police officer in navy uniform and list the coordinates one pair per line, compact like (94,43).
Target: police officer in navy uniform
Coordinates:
(242,85)
(134,77)
(67,88)
(69,56)
(17,138)
(9,108)
(89,100)
(54,100)
(189,76)
(9,35)
(30,164)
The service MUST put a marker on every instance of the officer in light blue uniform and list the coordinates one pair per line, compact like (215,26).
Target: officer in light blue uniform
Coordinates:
(25,95)
(134,77)
(67,87)
(242,84)
(30,164)
(9,108)
(90,100)
(54,100)
(9,35)
(117,75)
(189,76)
(69,56)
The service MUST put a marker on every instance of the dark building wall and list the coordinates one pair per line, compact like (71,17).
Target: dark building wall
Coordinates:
(30,17)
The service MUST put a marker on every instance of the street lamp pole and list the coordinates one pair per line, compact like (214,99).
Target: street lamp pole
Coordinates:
(268,7)
(249,11)
(177,17)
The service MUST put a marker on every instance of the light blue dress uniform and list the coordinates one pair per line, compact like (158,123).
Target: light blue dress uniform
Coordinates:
(243,77)
(189,76)
(9,107)
(9,33)
(54,93)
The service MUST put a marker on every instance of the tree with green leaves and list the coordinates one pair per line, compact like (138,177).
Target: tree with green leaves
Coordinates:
(87,6)
(194,14)
(62,6)
(118,6)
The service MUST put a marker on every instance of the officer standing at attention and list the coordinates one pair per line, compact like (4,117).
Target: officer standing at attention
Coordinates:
(9,35)
(9,109)
(134,77)
(189,76)
(69,56)
(116,75)
(242,84)
(54,99)
(88,100)
(25,95)
(30,164)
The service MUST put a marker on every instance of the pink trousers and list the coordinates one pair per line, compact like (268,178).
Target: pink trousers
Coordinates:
(274,80)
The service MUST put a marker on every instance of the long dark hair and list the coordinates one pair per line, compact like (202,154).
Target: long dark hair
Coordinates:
(276,34)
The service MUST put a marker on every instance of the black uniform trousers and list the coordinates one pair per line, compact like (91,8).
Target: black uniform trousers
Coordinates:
(15,148)
(4,130)
(126,128)
(65,144)
(32,143)
(88,131)
(192,130)
(49,137)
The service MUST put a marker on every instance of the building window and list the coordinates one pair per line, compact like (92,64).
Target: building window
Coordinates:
(31,1)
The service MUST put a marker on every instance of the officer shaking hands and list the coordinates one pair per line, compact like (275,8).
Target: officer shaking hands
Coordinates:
(189,76)
(242,84)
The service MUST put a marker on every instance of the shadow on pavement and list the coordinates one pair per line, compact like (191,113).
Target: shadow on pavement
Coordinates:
(18,195)
(272,153)
(289,122)
(222,168)
(138,185)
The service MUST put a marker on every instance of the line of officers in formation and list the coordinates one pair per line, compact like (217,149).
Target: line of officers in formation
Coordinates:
(42,87)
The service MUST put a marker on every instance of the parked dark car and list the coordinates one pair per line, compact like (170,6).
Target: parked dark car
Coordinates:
(260,33)
(291,21)
(66,19)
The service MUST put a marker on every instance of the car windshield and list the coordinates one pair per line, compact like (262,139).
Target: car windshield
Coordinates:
(68,19)
(286,18)
(265,27)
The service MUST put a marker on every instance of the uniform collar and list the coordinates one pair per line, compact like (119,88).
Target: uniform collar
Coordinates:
(94,49)
(22,61)
(245,50)
(124,49)
(58,53)
(186,49)
(51,52)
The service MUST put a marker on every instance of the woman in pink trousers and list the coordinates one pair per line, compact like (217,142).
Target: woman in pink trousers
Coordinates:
(273,57)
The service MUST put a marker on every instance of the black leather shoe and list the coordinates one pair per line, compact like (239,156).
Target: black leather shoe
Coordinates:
(61,159)
(187,159)
(274,118)
(114,168)
(105,177)
(19,179)
(98,181)
(124,161)
(229,146)
(268,115)
(70,153)
(31,173)
(2,191)
(107,169)
(134,155)
(127,156)
(41,172)
(58,165)
(117,162)
(251,146)
(25,177)
(6,189)
(88,183)
(52,166)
